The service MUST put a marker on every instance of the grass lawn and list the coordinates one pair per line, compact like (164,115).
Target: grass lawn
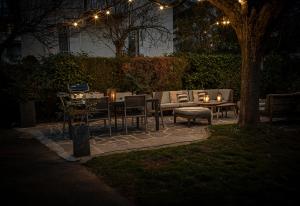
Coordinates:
(233,167)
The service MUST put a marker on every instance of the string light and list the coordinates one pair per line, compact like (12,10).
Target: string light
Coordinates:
(242,2)
(108,12)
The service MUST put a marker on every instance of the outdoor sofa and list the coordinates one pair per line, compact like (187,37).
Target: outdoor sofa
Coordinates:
(171,99)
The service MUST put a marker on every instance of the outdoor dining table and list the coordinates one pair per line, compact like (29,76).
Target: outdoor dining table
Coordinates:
(119,105)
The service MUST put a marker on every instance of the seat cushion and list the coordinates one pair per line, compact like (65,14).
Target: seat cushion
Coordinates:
(167,106)
(193,112)
(188,104)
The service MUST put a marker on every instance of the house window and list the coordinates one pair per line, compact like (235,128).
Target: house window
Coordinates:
(3,8)
(133,43)
(63,39)
(85,5)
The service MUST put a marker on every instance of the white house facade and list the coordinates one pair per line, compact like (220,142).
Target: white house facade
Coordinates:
(74,39)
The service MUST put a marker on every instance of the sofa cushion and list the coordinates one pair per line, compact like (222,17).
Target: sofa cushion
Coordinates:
(201,96)
(165,97)
(173,95)
(194,95)
(212,93)
(227,94)
(182,98)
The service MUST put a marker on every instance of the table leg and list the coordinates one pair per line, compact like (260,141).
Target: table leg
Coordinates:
(156,116)
(137,122)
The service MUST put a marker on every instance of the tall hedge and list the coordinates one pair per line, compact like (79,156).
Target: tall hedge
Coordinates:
(42,79)
(213,71)
(155,74)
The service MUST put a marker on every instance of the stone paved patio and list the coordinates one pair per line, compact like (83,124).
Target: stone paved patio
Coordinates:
(102,144)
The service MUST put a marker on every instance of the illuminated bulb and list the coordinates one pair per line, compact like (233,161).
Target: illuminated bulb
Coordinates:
(242,2)
(75,24)
(224,22)
(130,1)
(96,16)
(161,7)
(108,12)
(217,23)
(227,22)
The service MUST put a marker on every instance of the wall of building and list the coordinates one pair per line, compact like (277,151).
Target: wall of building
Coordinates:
(87,42)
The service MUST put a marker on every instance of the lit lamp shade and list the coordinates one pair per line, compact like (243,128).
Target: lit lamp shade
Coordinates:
(111,93)
(219,97)
(206,98)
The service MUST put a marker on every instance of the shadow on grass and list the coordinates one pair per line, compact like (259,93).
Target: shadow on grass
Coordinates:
(234,166)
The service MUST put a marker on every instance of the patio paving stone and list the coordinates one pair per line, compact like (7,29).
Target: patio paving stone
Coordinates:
(137,139)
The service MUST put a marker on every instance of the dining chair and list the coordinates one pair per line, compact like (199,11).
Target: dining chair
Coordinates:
(79,87)
(135,106)
(71,111)
(121,95)
(151,107)
(100,110)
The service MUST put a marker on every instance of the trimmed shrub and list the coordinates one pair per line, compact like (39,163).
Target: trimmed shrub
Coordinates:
(154,74)
(213,72)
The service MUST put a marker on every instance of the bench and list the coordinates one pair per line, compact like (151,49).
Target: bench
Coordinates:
(282,106)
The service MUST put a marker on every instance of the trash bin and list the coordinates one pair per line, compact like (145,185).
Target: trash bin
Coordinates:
(81,144)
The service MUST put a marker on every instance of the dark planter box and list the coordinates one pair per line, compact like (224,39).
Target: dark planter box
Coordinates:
(81,144)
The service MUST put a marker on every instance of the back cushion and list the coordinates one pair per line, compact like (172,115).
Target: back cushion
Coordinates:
(182,98)
(173,95)
(227,94)
(195,95)
(165,97)
(201,96)
(212,93)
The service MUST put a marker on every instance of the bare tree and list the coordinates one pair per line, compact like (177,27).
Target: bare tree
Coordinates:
(23,17)
(125,20)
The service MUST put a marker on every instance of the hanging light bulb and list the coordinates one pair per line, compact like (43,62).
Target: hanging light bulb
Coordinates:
(242,2)
(129,1)
(75,24)
(96,16)
(107,12)
(161,7)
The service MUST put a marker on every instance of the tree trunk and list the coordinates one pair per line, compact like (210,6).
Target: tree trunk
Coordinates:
(251,61)
(119,46)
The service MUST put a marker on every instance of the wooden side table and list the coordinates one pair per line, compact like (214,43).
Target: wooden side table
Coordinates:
(226,107)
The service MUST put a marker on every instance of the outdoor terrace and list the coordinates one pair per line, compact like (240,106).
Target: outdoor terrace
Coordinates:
(50,134)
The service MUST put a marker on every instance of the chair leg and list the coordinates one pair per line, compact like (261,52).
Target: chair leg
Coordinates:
(125,123)
(145,123)
(64,125)
(109,121)
(162,118)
